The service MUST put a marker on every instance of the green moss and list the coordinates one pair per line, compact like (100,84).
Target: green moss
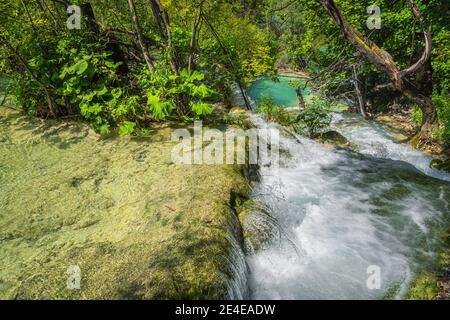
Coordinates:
(425,285)
(393,291)
(138,226)
(443,165)
(423,288)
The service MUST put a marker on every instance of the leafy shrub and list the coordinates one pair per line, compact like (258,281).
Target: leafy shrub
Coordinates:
(76,76)
(89,81)
(80,77)
(442,104)
(416,116)
(178,95)
(273,112)
(314,118)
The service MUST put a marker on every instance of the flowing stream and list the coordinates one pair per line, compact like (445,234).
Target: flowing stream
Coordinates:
(335,216)
(329,216)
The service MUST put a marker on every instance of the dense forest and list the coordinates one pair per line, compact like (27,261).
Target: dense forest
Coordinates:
(92,91)
(131,63)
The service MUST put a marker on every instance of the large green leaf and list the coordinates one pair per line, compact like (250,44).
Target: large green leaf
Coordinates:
(80,67)
(159,109)
(126,128)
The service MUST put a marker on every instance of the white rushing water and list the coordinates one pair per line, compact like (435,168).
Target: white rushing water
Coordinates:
(372,139)
(338,213)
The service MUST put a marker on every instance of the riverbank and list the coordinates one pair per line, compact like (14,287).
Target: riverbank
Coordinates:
(402,124)
(434,283)
(290,72)
(136,225)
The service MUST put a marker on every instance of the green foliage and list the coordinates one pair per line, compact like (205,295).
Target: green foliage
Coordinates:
(442,104)
(423,288)
(60,73)
(325,104)
(315,117)
(126,128)
(88,80)
(178,95)
(312,41)
(76,72)
(417,116)
(266,104)
(242,51)
(310,121)
(273,112)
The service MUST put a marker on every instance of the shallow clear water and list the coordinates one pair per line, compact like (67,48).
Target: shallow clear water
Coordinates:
(280,91)
(117,207)
(337,213)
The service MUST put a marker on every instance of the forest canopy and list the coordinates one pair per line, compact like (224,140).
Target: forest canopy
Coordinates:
(134,62)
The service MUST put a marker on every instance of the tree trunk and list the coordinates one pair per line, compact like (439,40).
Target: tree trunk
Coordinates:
(225,50)
(137,30)
(385,63)
(92,24)
(94,27)
(420,93)
(301,101)
(163,22)
(358,91)
(117,53)
(23,61)
(194,37)
(111,44)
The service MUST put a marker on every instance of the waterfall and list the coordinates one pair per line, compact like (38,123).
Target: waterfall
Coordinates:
(373,140)
(339,214)
(238,271)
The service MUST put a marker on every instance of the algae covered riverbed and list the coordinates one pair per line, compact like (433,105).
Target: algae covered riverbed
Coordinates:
(136,225)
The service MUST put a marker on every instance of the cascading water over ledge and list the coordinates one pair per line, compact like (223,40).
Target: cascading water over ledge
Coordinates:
(343,213)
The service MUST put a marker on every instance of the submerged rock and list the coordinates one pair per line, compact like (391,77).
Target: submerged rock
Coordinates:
(334,138)
(399,124)
(441,164)
(238,110)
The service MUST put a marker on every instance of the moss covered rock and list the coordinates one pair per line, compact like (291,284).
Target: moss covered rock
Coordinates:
(441,164)
(334,138)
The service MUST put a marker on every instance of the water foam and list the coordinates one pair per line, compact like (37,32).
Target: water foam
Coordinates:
(341,213)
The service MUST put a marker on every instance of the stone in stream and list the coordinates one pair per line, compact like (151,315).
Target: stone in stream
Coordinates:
(238,110)
(334,138)
(441,164)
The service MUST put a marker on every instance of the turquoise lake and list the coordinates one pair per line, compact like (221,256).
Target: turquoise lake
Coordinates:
(280,91)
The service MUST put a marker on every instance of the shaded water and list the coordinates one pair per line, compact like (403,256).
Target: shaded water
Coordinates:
(335,213)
